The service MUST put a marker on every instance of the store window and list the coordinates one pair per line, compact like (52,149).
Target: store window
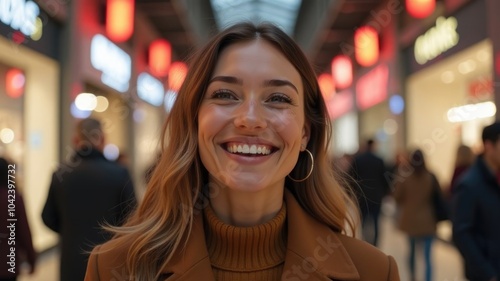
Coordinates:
(12,85)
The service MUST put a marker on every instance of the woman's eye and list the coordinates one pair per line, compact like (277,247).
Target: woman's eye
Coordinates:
(280,98)
(223,95)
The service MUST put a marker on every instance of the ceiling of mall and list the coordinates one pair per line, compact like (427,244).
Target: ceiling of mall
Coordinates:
(187,23)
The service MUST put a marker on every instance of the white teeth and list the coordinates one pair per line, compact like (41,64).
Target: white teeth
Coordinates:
(253,149)
(249,149)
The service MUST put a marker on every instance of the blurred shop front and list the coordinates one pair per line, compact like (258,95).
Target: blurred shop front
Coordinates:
(449,90)
(377,84)
(107,76)
(344,124)
(29,101)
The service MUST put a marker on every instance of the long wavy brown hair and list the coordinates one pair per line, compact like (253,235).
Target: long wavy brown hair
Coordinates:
(179,182)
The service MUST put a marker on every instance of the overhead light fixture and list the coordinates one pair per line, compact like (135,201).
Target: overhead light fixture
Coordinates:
(160,57)
(120,19)
(471,112)
(420,8)
(447,77)
(366,45)
(14,83)
(86,101)
(466,66)
(483,56)
(342,71)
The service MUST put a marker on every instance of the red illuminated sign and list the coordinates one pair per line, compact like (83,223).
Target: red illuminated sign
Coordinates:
(481,89)
(326,86)
(420,8)
(342,71)
(14,83)
(176,75)
(120,19)
(160,57)
(340,104)
(371,88)
(366,45)
(497,63)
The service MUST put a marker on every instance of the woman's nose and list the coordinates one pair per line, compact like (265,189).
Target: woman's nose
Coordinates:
(250,115)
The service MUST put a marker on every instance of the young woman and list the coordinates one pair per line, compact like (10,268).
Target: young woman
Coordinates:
(414,197)
(243,189)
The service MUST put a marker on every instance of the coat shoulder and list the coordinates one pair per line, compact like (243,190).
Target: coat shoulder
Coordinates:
(369,260)
(108,261)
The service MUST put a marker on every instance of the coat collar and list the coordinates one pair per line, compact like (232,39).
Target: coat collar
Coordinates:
(314,251)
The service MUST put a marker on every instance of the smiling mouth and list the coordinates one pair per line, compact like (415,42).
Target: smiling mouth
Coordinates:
(249,149)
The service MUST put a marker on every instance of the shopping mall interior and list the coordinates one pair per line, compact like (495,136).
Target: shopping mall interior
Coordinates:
(408,74)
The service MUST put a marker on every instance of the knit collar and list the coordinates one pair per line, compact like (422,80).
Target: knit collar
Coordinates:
(311,247)
(240,249)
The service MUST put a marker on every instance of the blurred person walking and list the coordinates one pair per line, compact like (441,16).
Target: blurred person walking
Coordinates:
(84,194)
(464,159)
(368,170)
(476,211)
(414,193)
(22,243)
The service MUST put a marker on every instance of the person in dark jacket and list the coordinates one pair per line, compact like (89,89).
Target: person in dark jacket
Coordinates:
(476,211)
(16,245)
(368,171)
(464,159)
(85,193)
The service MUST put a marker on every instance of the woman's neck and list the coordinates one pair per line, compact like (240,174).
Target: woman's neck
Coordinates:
(245,208)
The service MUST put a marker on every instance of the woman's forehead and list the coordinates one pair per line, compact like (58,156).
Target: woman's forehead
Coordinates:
(256,57)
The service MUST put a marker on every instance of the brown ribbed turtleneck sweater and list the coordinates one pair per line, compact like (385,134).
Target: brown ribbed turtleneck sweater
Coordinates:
(246,253)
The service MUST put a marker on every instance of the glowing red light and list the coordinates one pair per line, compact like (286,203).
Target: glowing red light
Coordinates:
(420,8)
(14,83)
(342,71)
(120,19)
(326,86)
(340,104)
(160,57)
(366,45)
(371,88)
(497,63)
(176,75)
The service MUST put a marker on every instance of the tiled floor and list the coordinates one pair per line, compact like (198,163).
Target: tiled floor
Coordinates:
(446,260)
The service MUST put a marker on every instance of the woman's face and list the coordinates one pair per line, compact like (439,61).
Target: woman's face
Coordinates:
(251,121)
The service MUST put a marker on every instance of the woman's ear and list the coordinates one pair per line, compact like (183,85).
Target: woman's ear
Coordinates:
(306,134)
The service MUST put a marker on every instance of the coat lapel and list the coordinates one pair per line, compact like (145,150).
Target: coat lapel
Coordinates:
(314,251)
(193,262)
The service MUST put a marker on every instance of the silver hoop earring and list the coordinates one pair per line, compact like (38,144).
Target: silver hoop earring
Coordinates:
(310,171)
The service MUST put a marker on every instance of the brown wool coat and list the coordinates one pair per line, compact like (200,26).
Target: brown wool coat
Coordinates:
(413,196)
(314,253)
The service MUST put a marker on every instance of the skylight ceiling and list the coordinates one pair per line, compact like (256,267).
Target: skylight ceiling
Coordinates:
(283,13)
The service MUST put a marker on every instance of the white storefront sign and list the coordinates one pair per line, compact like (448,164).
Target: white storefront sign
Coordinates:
(115,63)
(150,89)
(21,15)
(437,40)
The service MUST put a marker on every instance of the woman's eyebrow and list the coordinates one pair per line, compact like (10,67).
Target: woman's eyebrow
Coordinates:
(267,83)
(227,79)
(279,83)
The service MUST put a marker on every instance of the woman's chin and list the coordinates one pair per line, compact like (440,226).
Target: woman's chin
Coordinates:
(247,183)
